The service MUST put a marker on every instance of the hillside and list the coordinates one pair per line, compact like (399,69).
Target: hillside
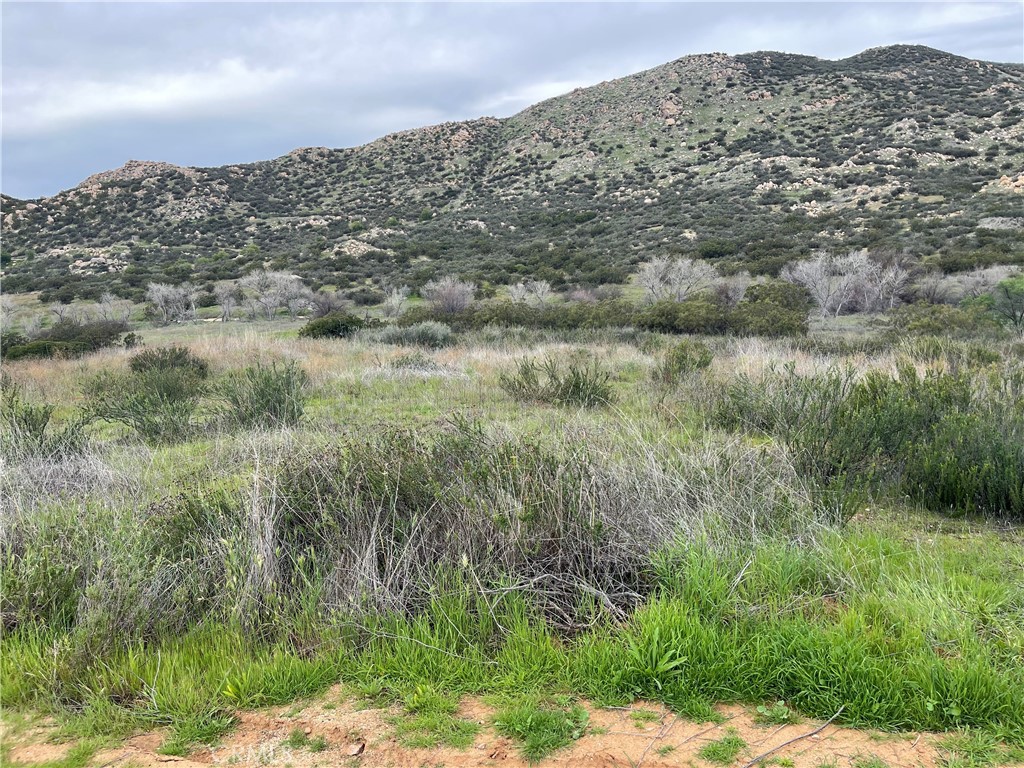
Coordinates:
(751,160)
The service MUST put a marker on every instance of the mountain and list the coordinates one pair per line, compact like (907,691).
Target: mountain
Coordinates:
(750,160)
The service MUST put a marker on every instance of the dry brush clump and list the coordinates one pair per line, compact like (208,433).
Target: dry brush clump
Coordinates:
(375,526)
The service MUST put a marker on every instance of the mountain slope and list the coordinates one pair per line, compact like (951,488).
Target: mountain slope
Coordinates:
(753,160)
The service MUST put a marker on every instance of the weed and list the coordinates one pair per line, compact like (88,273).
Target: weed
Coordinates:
(684,359)
(430,721)
(869,761)
(583,384)
(297,739)
(643,717)
(541,727)
(265,395)
(29,430)
(724,751)
(776,714)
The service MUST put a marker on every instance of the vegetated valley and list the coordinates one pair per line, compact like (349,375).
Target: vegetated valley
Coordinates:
(675,421)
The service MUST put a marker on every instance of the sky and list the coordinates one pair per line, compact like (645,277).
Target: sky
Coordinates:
(88,86)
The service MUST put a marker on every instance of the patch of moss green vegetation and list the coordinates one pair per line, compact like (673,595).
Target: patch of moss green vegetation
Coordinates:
(724,751)
(541,726)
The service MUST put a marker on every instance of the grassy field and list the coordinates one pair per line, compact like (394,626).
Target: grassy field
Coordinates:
(827,528)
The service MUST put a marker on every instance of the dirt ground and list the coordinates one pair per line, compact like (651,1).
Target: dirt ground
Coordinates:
(644,735)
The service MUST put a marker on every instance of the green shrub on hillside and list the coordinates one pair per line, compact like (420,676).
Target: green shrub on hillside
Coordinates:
(67,338)
(333,325)
(169,358)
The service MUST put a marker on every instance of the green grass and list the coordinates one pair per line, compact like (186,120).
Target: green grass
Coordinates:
(907,619)
(430,721)
(724,751)
(643,717)
(541,726)
(974,749)
(869,761)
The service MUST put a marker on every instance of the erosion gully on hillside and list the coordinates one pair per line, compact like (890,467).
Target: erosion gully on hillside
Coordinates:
(644,734)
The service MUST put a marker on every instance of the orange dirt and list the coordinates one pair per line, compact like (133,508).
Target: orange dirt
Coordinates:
(615,738)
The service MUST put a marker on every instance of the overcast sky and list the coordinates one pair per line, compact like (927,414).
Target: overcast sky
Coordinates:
(88,86)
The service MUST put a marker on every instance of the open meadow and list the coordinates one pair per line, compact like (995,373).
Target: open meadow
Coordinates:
(233,544)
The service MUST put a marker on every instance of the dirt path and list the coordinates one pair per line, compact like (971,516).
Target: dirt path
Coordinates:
(644,735)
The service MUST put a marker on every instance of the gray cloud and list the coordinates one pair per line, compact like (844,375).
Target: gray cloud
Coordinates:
(87,86)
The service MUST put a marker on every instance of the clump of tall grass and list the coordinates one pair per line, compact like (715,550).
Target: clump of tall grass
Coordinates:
(158,405)
(578,382)
(30,431)
(430,334)
(682,360)
(950,441)
(370,525)
(413,365)
(169,359)
(955,355)
(263,395)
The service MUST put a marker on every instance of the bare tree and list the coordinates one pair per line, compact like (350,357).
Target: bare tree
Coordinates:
(175,304)
(32,324)
(887,286)
(295,297)
(732,289)
(539,291)
(7,311)
(518,293)
(394,302)
(675,279)
(834,282)
(62,311)
(449,294)
(324,302)
(227,295)
(257,288)
(110,307)
(933,287)
(267,292)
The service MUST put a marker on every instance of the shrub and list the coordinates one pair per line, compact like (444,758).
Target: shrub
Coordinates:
(685,358)
(691,316)
(554,316)
(429,333)
(762,318)
(67,338)
(169,358)
(159,404)
(333,325)
(46,349)
(923,319)
(582,384)
(266,395)
(28,429)
(940,439)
